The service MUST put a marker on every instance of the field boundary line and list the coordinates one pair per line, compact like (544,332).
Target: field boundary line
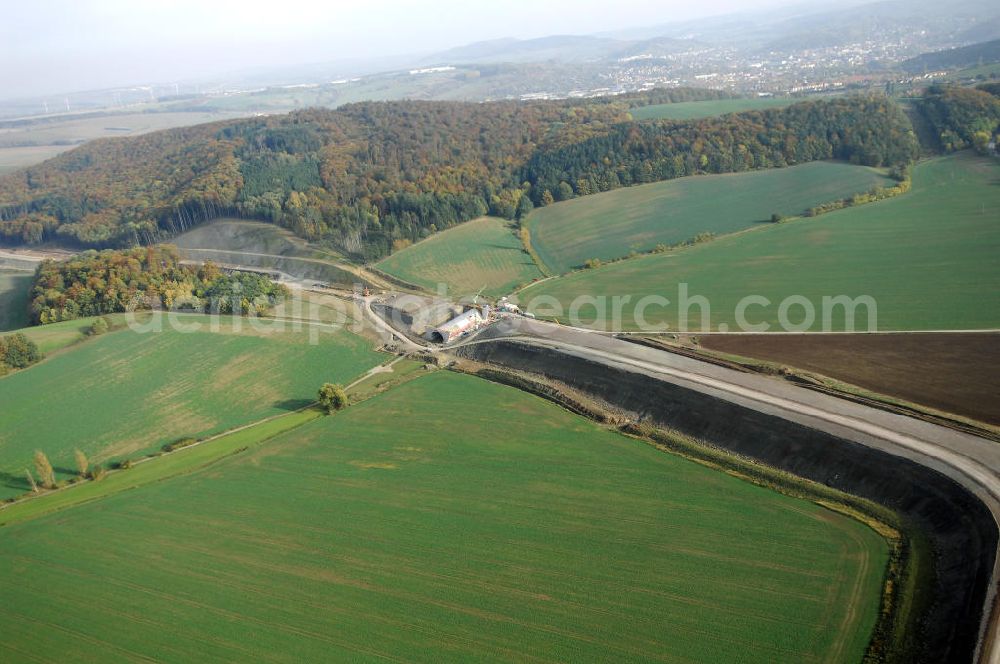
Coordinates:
(162,455)
(145,459)
(887,524)
(756,226)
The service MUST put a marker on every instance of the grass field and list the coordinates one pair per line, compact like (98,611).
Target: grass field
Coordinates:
(74,130)
(989,70)
(32,143)
(692,110)
(955,373)
(483,252)
(14,296)
(12,159)
(127,392)
(531,534)
(612,224)
(928,258)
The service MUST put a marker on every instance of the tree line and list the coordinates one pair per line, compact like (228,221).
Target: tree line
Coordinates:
(44,476)
(96,283)
(370,176)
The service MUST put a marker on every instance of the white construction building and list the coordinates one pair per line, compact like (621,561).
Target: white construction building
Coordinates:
(456,327)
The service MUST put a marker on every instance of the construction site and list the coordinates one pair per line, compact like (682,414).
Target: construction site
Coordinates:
(438,321)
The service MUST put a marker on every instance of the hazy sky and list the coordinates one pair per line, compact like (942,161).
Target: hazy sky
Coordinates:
(50,46)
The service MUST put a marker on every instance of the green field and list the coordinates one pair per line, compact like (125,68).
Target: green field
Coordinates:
(127,393)
(530,534)
(150,470)
(693,110)
(484,252)
(612,224)
(14,295)
(57,336)
(928,258)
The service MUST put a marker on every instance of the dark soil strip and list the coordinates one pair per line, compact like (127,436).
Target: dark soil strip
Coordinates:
(954,373)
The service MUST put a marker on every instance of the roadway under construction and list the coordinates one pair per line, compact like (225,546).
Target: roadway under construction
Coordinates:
(943,481)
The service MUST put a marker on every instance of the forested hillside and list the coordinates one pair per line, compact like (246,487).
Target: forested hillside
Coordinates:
(954,58)
(872,131)
(962,117)
(371,176)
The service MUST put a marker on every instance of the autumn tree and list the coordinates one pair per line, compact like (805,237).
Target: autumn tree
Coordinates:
(524,206)
(31,481)
(81,463)
(44,469)
(18,351)
(332,397)
(98,327)
(981,142)
(525,236)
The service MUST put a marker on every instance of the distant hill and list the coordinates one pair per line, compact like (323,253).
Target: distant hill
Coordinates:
(561,48)
(815,24)
(987,30)
(564,48)
(878,21)
(954,58)
(658,47)
(802,26)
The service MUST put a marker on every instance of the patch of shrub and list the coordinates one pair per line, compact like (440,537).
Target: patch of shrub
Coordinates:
(179,444)
(98,327)
(18,352)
